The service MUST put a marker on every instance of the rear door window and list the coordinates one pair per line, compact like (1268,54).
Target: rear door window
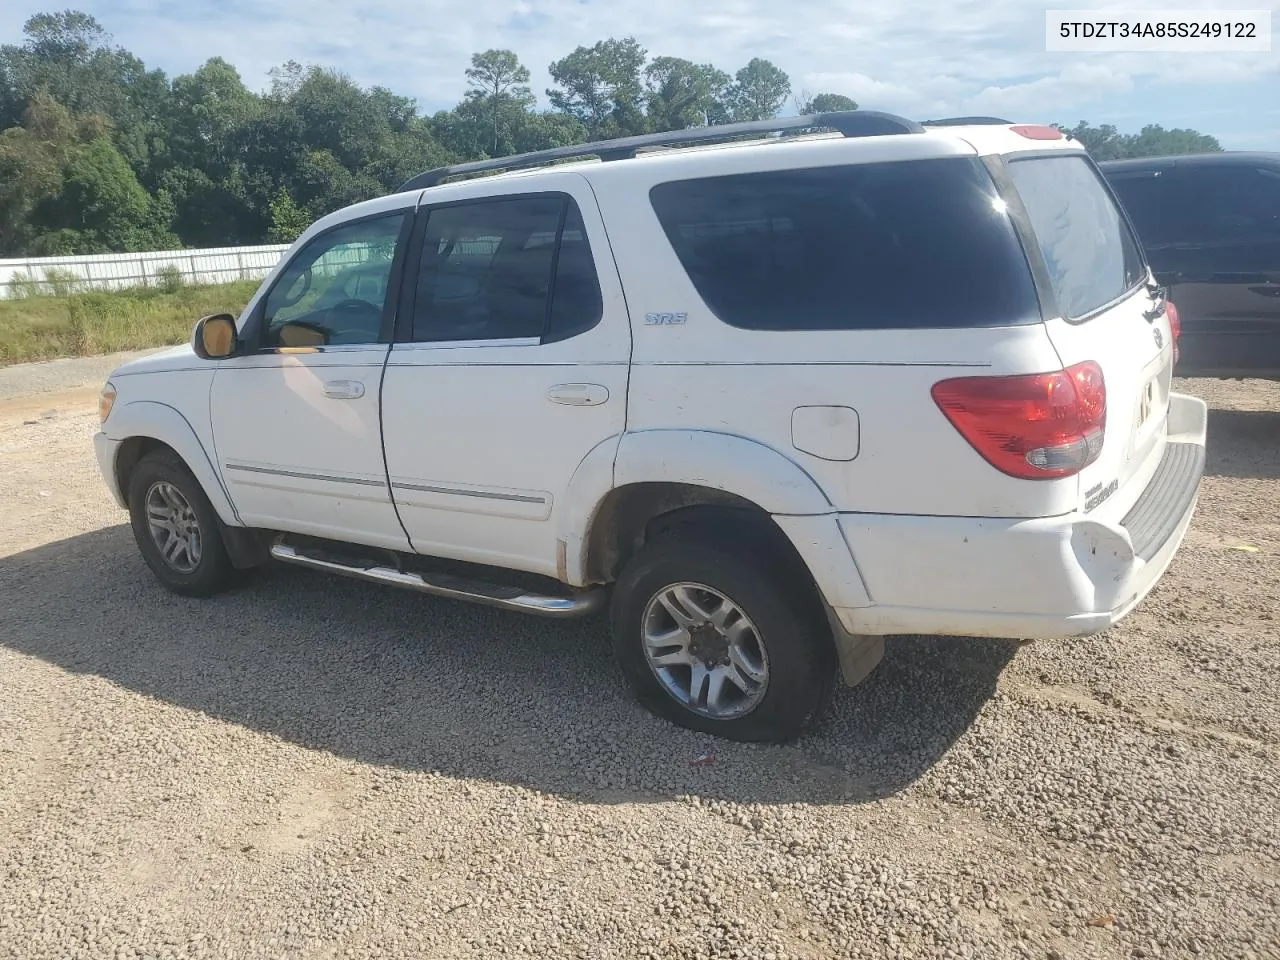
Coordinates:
(905,245)
(1092,256)
(504,269)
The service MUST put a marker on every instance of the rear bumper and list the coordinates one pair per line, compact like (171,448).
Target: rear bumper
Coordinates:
(1065,576)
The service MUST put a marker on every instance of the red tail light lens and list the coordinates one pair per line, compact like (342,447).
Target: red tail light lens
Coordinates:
(1175,325)
(1036,427)
(1037,131)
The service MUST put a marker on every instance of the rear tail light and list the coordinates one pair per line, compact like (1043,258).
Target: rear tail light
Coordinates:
(1035,427)
(1175,325)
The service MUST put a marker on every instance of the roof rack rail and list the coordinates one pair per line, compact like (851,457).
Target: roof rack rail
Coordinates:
(850,123)
(966,122)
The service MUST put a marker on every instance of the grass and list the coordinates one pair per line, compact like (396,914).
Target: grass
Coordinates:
(44,327)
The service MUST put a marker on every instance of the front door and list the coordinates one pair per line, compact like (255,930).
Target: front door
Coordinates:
(510,368)
(295,422)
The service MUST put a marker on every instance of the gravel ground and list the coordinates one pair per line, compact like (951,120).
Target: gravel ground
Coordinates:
(314,768)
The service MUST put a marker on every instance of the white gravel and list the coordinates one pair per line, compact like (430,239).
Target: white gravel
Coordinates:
(314,768)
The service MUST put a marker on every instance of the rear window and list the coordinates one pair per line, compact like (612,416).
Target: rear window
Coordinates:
(1091,254)
(917,244)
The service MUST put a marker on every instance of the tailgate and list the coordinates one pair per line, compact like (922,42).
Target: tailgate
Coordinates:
(1100,311)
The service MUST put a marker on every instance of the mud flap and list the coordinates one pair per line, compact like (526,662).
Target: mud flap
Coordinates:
(859,654)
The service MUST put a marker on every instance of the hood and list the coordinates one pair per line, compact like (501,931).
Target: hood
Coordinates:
(181,357)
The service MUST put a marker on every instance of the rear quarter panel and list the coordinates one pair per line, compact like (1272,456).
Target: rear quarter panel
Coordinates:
(703,374)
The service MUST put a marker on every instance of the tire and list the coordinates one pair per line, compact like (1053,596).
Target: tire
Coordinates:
(162,487)
(784,633)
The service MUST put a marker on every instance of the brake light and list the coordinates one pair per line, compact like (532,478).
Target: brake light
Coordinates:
(1036,427)
(1175,325)
(1037,131)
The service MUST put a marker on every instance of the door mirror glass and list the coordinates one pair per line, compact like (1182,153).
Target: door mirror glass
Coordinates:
(215,337)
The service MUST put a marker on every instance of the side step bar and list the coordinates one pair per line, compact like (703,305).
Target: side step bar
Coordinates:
(446,585)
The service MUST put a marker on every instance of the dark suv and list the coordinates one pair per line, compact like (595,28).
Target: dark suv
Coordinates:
(1210,224)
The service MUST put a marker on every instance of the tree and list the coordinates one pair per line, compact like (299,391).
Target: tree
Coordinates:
(600,87)
(32,158)
(101,206)
(548,129)
(826,103)
(1154,140)
(1105,142)
(500,84)
(204,111)
(288,220)
(758,92)
(99,152)
(68,56)
(683,94)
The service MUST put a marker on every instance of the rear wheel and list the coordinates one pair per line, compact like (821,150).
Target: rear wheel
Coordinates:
(175,526)
(721,640)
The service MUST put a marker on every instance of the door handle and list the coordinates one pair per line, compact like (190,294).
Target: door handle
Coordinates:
(1267,290)
(578,394)
(343,389)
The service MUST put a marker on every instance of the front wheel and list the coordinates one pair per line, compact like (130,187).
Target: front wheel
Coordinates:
(721,640)
(176,527)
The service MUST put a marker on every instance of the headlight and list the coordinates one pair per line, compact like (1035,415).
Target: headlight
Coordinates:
(106,399)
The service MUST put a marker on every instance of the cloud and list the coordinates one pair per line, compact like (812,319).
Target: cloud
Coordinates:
(1079,82)
(923,58)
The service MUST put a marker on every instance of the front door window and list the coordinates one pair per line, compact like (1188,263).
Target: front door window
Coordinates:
(334,291)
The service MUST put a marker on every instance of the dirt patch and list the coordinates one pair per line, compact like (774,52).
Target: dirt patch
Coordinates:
(309,767)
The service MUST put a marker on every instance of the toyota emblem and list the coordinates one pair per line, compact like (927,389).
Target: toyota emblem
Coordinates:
(1155,332)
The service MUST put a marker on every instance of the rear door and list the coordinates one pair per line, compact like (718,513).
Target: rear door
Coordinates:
(1101,312)
(509,369)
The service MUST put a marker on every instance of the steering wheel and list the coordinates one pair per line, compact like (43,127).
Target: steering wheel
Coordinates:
(357,314)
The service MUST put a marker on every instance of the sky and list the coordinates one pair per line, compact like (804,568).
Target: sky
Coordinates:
(920,58)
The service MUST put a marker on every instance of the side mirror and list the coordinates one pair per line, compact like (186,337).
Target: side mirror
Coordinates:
(214,337)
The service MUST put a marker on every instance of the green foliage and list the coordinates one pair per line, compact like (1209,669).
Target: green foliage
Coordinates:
(759,90)
(62,283)
(288,220)
(827,103)
(42,326)
(683,94)
(1107,143)
(98,153)
(22,284)
(169,278)
(100,206)
(600,87)
(499,96)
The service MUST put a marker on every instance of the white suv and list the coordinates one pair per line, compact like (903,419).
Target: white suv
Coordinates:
(774,399)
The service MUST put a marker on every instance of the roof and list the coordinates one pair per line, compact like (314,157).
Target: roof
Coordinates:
(978,133)
(1226,157)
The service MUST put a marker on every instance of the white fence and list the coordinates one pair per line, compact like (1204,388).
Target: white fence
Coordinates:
(114,271)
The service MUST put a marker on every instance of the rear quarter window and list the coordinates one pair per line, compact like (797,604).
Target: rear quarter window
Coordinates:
(1092,256)
(915,244)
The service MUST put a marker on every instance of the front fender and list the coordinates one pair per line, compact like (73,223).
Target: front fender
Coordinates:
(159,421)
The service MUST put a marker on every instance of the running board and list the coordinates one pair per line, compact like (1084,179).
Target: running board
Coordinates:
(447,585)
